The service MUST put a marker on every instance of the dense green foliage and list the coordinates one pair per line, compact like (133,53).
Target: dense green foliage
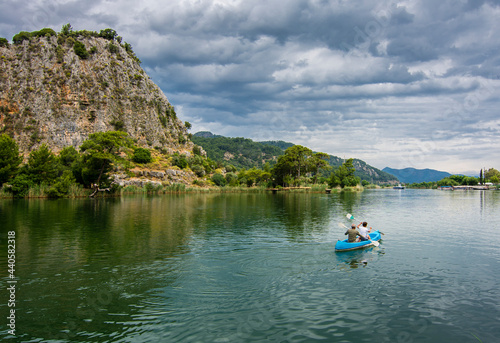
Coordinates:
(23,35)
(240,152)
(492,175)
(280,144)
(43,168)
(98,154)
(71,169)
(453,180)
(42,165)
(180,161)
(108,34)
(456,180)
(80,50)
(218,180)
(44,33)
(142,155)
(4,42)
(112,48)
(296,162)
(344,176)
(9,158)
(254,176)
(201,166)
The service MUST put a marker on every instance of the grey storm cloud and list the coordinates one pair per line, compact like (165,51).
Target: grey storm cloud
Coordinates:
(400,84)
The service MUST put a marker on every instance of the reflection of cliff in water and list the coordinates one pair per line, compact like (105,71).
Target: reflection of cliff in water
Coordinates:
(91,258)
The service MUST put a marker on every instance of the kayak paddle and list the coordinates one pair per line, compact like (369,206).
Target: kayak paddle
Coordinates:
(351,217)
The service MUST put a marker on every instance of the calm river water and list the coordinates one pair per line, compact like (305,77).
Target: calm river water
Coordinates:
(254,268)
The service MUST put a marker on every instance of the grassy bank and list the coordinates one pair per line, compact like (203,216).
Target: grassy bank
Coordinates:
(77,191)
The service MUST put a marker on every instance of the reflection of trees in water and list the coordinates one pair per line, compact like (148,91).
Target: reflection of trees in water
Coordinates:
(302,213)
(350,201)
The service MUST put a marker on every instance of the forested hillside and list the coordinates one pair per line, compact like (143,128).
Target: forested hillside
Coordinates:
(245,153)
(239,152)
(412,175)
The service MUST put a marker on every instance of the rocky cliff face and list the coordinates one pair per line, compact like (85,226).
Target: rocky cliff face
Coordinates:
(49,94)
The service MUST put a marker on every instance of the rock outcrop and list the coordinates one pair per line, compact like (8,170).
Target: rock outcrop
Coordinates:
(50,94)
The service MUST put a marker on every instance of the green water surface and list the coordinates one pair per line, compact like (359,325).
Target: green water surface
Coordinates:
(253,268)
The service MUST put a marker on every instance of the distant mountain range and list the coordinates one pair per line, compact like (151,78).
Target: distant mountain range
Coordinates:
(245,153)
(412,175)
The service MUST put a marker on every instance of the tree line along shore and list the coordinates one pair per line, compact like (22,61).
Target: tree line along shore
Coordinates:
(91,170)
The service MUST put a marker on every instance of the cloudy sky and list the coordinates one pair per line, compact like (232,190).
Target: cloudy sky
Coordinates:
(394,83)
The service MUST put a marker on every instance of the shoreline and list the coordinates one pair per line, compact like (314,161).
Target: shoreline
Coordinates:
(149,189)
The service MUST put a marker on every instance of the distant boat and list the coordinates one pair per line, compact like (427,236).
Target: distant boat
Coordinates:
(399,187)
(480,188)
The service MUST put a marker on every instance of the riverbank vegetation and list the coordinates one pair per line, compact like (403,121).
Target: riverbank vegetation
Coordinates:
(92,170)
(490,176)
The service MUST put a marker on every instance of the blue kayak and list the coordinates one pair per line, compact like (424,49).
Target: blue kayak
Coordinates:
(346,246)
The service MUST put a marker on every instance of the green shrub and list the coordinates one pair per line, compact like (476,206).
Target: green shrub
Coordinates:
(42,165)
(66,29)
(108,34)
(21,36)
(149,187)
(44,32)
(219,180)
(20,185)
(197,150)
(118,125)
(10,159)
(164,121)
(128,47)
(59,54)
(230,168)
(67,156)
(70,41)
(62,185)
(179,161)
(80,50)
(232,179)
(4,42)
(142,155)
(199,183)
(112,48)
(198,170)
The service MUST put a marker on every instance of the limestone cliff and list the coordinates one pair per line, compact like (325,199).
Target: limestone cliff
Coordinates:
(59,88)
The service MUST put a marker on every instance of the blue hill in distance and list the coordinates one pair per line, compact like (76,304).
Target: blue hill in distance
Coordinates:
(412,175)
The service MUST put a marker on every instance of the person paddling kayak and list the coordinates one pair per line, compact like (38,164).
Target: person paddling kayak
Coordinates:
(353,234)
(364,230)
